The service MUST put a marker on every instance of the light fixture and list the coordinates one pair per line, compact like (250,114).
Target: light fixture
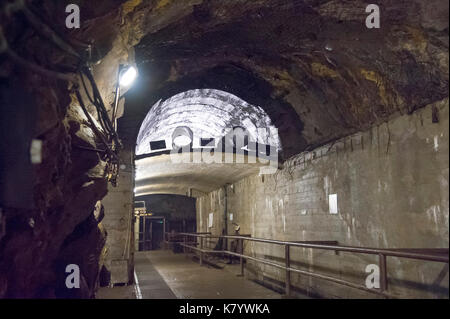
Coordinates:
(127,76)
(182,136)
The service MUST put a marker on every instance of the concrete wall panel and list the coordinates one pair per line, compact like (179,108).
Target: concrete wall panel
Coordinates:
(392,192)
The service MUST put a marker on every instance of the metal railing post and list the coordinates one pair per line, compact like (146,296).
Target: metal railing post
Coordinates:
(288,272)
(201,251)
(428,254)
(185,242)
(241,259)
(383,272)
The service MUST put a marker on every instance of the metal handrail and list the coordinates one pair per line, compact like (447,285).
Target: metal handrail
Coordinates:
(434,254)
(168,235)
(431,254)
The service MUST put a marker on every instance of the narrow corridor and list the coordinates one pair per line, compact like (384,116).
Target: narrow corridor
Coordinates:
(164,275)
(308,141)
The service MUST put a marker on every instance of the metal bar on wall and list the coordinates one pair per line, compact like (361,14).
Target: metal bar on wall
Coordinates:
(432,254)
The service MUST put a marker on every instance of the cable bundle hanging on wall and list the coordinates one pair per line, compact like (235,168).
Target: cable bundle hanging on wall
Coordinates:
(108,134)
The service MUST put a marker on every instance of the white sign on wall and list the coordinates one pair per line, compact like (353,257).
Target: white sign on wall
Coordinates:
(231,217)
(210,220)
(332,202)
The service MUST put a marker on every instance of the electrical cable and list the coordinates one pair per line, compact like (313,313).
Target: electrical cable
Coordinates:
(44,30)
(91,99)
(101,121)
(85,88)
(48,33)
(4,48)
(89,149)
(38,69)
(101,107)
(93,125)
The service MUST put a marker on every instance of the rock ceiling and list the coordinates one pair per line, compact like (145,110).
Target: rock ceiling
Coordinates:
(313,66)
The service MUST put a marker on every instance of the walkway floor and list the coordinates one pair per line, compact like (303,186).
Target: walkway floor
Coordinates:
(125,292)
(165,275)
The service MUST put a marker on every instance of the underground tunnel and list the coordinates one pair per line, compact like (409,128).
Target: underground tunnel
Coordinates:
(212,149)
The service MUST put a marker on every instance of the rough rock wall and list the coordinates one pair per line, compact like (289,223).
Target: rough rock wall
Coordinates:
(288,73)
(49,211)
(392,187)
(65,189)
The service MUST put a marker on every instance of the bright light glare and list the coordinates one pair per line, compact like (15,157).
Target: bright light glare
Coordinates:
(182,140)
(128,77)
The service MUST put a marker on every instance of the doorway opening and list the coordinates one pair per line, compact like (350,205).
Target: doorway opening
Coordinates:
(151,232)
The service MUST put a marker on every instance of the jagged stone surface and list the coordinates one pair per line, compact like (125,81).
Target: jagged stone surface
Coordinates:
(58,224)
(316,58)
(311,64)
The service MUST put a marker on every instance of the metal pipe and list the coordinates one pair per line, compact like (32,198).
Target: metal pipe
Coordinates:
(287,259)
(363,250)
(340,281)
(116,98)
(303,272)
(241,259)
(442,256)
(225,214)
(89,149)
(411,254)
(383,272)
(201,251)
(116,105)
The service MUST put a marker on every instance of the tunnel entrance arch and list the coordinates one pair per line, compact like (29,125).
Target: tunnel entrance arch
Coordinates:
(228,78)
(205,121)
(209,114)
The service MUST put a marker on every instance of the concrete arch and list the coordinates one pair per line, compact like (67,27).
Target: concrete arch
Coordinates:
(229,78)
(209,114)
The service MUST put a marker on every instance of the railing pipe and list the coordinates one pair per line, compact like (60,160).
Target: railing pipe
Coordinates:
(412,254)
(287,259)
(433,254)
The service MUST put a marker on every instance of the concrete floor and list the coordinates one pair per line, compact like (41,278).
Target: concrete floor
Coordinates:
(178,276)
(126,292)
(165,275)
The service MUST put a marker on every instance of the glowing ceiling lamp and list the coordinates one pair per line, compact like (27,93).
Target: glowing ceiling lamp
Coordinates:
(127,76)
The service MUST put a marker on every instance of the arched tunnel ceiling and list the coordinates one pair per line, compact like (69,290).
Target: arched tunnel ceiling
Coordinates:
(160,175)
(229,78)
(208,114)
(312,65)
